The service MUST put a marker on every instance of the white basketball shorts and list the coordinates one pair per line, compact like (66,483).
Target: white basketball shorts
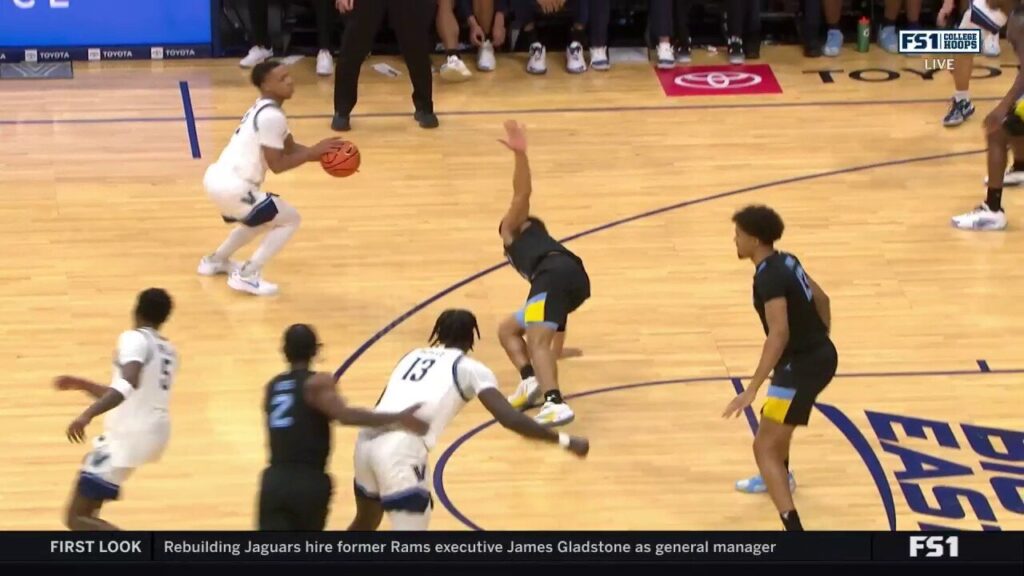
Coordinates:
(393,467)
(114,457)
(234,197)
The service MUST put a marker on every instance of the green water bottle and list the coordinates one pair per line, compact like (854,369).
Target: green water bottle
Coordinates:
(863,34)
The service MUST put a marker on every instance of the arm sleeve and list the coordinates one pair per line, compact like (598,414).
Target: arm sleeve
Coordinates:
(472,376)
(771,283)
(132,346)
(272,128)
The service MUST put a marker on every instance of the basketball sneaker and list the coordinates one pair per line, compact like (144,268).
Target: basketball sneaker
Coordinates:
(526,394)
(1011,178)
(959,111)
(991,46)
(575,63)
(251,283)
(756,485)
(538,62)
(455,70)
(888,39)
(552,414)
(599,59)
(256,55)
(666,56)
(211,267)
(981,218)
(833,43)
(485,61)
(324,63)
(683,55)
(736,54)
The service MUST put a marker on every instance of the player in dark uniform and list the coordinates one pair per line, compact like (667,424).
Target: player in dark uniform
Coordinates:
(300,404)
(1004,127)
(797,352)
(558,286)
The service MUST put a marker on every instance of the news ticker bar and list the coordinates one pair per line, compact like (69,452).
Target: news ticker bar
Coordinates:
(647,547)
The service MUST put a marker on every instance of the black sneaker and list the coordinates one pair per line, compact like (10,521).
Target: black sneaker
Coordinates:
(341,123)
(426,119)
(959,112)
(752,47)
(736,51)
(812,51)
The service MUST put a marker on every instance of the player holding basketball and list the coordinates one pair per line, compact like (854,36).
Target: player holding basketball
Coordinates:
(300,405)
(391,467)
(137,425)
(798,353)
(1004,127)
(989,16)
(558,286)
(234,182)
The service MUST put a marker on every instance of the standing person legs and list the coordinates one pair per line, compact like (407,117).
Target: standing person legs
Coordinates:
(812,27)
(599,21)
(325,14)
(575,63)
(411,22)
(260,49)
(360,29)
(735,22)
(659,16)
(834,39)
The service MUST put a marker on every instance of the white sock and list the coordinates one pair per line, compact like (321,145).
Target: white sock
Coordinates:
(961,95)
(409,521)
(239,237)
(283,227)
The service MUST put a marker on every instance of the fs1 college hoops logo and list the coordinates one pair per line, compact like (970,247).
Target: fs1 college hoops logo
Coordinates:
(719,80)
(938,46)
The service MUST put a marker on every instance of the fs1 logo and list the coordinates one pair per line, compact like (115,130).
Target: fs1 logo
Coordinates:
(935,546)
(28,4)
(940,42)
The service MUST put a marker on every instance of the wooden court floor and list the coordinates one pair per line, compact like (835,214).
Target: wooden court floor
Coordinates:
(102,197)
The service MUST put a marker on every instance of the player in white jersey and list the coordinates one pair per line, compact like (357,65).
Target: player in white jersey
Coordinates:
(137,423)
(234,182)
(391,468)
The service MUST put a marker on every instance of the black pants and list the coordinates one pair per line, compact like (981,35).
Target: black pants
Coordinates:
(744,18)
(811,22)
(294,499)
(661,15)
(325,12)
(412,21)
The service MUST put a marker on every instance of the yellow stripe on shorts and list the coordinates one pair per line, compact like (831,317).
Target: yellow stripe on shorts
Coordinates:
(534,312)
(776,409)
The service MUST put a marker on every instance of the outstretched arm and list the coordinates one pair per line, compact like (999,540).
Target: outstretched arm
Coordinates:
(525,426)
(522,185)
(320,393)
(75,383)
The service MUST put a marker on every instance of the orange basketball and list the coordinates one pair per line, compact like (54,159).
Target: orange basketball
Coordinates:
(342,160)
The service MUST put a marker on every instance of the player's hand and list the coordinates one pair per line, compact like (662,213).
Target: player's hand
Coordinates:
(409,421)
(515,136)
(476,35)
(324,146)
(737,405)
(579,446)
(345,5)
(67,383)
(943,16)
(498,31)
(76,430)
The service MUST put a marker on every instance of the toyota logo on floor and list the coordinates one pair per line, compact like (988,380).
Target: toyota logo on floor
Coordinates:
(719,80)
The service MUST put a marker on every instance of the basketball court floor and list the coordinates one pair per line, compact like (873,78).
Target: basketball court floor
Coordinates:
(102,197)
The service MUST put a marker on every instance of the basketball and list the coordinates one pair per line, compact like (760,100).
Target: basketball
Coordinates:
(342,160)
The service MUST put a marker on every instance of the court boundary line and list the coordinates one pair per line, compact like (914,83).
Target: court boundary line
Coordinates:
(835,416)
(494,112)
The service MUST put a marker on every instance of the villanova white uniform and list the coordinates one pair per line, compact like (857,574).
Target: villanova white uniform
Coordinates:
(234,182)
(980,16)
(137,430)
(391,465)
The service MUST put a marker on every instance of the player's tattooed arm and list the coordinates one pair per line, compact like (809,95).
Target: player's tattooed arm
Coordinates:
(321,393)
(522,185)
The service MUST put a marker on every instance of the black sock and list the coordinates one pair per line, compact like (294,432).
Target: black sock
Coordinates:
(448,53)
(526,371)
(1018,165)
(578,35)
(994,200)
(888,22)
(553,396)
(791,520)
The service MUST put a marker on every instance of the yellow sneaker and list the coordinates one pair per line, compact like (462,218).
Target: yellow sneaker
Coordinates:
(526,394)
(552,414)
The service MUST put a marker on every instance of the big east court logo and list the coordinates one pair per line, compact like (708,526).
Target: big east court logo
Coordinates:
(945,450)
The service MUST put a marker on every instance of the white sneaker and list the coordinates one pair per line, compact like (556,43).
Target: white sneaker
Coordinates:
(981,218)
(991,46)
(575,63)
(256,55)
(455,70)
(485,61)
(538,62)
(599,59)
(210,267)
(1011,178)
(666,56)
(552,414)
(252,283)
(526,394)
(324,63)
